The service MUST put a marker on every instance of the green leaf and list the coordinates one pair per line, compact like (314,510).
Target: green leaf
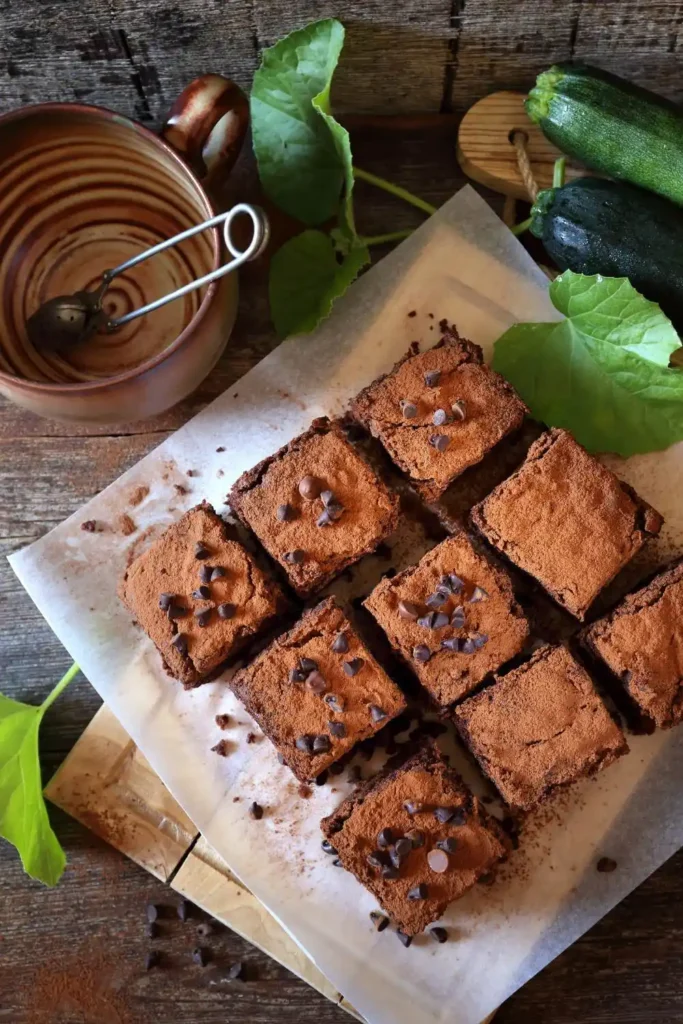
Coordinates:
(305,279)
(23,816)
(303,154)
(598,373)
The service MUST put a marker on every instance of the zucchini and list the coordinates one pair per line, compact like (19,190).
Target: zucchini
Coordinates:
(595,226)
(611,126)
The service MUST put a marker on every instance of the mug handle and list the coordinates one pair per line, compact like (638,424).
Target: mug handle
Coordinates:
(207,125)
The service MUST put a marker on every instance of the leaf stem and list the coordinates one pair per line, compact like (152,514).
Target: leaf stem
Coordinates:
(520,228)
(392,236)
(61,685)
(395,190)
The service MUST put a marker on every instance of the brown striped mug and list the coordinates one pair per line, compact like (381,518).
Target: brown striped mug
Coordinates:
(83,189)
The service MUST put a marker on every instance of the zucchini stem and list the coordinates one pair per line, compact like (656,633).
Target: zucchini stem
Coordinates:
(559,172)
(520,228)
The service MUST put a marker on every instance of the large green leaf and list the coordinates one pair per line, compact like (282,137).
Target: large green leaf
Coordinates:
(303,154)
(306,277)
(600,373)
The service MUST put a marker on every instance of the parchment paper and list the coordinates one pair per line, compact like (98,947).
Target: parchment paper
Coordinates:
(463,265)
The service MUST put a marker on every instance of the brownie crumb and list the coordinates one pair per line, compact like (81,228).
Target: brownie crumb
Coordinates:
(412,313)
(304,791)
(220,448)
(138,496)
(256,811)
(90,526)
(222,747)
(223,721)
(180,489)
(606,865)
(127,525)
(251,737)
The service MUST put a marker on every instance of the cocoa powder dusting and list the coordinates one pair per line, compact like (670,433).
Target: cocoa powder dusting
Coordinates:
(79,989)
(127,525)
(138,496)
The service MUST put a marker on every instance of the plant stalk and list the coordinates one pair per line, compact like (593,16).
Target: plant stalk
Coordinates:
(395,190)
(520,228)
(61,685)
(392,236)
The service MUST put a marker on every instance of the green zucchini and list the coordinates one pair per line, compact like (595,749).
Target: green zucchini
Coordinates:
(611,126)
(595,226)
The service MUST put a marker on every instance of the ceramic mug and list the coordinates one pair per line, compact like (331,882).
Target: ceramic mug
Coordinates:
(83,189)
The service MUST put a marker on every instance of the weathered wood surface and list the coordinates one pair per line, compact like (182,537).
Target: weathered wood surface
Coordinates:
(134,56)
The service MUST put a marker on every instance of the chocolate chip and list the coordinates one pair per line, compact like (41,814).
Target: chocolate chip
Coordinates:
(459,409)
(327,847)
(426,621)
(221,448)
(151,930)
(438,861)
(217,573)
(151,960)
(281,758)
(309,487)
(236,971)
(296,675)
(437,599)
(440,417)
(205,574)
(180,643)
(353,666)
(355,774)
(444,814)
(408,610)
(200,957)
(438,934)
(328,498)
(203,617)
(165,601)
(204,929)
(412,807)
(468,646)
(404,939)
(334,702)
(316,684)
(389,872)
(325,518)
(336,769)
(337,729)
(439,441)
(416,838)
(453,583)
(304,743)
(451,644)
(478,594)
(432,378)
(321,778)
(284,513)
(409,409)
(378,859)
(176,611)
(226,610)
(421,653)
(201,593)
(295,557)
(307,665)
(321,744)
(458,618)
(152,912)
(256,811)
(479,639)
(377,714)
(90,526)
(606,865)
(379,920)
(448,845)
(385,838)
(402,847)
(419,892)
(201,551)
(183,910)
(340,644)
(440,620)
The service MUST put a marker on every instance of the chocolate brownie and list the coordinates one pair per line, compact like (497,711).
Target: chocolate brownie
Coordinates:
(199,595)
(439,412)
(540,727)
(316,505)
(317,690)
(452,617)
(641,642)
(416,837)
(566,520)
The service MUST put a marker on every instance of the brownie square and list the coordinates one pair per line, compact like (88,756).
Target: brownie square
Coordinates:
(641,642)
(539,728)
(316,506)
(199,595)
(417,838)
(316,691)
(439,412)
(566,520)
(452,617)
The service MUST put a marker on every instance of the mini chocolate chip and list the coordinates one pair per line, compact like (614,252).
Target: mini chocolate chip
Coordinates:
(378,859)
(402,847)
(408,610)
(444,814)
(439,441)
(385,838)
(337,729)
(321,744)
(412,807)
(328,498)
(204,929)
(296,675)
(479,639)
(377,714)
(459,409)
(426,621)
(201,551)
(152,912)
(448,845)
(438,861)
(217,573)
(458,618)
(200,957)
(180,643)
(453,583)
(419,892)
(389,872)
(203,617)
(316,684)
(353,666)
(409,410)
(606,865)
(404,939)
(340,644)
(90,526)
(437,599)
(205,574)
(236,971)
(438,934)
(183,910)
(451,644)
(468,646)
(226,610)
(165,601)
(379,920)
(309,487)
(478,594)
(202,593)
(151,960)
(440,417)
(416,838)
(284,513)
(307,665)
(421,653)
(432,378)
(334,702)
(176,611)
(325,518)
(295,557)
(256,811)
(321,779)
(440,620)
(281,758)
(304,743)
(327,847)
(151,930)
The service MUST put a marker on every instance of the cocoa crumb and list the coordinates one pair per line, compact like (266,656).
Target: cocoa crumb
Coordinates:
(220,448)
(192,472)
(222,748)
(90,526)
(220,473)
(180,489)
(606,865)
(251,737)
(412,313)
(223,721)
(304,791)
(126,525)
(138,496)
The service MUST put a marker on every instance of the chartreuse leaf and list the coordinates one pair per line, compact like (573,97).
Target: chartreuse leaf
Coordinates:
(602,372)
(306,276)
(23,816)
(303,154)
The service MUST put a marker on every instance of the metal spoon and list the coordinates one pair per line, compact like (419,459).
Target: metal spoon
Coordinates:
(69,320)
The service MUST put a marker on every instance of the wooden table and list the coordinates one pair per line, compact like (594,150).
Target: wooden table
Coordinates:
(87,936)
